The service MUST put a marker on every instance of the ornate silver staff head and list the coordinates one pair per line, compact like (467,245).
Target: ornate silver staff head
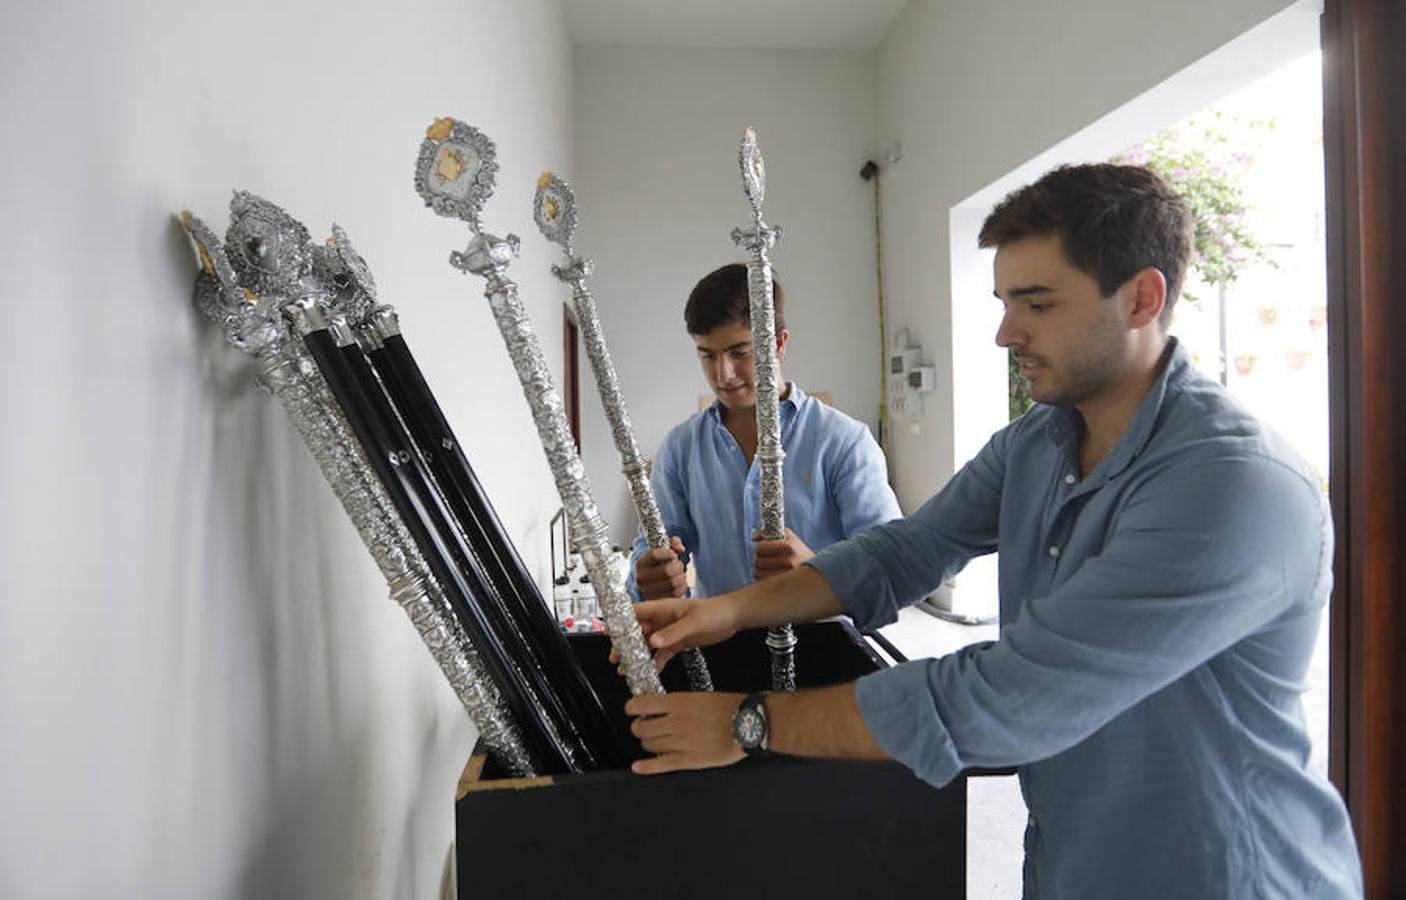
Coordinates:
(554,211)
(338,266)
(456,171)
(454,175)
(753,166)
(222,294)
(749,158)
(271,250)
(249,322)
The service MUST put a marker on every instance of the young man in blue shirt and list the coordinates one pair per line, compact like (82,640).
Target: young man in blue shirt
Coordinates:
(706,480)
(1165,561)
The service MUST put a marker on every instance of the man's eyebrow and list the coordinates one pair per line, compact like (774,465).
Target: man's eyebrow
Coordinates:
(1024,291)
(725,349)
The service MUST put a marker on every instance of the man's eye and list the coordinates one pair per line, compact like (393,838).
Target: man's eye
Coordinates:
(1039,307)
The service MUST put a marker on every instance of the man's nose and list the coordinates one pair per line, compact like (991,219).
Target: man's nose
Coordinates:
(1006,332)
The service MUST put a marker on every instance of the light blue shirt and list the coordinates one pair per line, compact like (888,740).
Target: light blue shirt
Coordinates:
(836,485)
(1157,620)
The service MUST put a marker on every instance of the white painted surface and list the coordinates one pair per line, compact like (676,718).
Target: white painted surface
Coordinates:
(775,24)
(660,193)
(204,690)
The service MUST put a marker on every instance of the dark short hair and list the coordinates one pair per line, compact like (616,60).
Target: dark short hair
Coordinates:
(1113,221)
(720,298)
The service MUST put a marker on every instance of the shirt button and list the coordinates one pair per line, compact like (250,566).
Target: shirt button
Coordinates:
(1069,479)
(1054,551)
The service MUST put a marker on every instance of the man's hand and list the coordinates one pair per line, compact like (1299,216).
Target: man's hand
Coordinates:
(684,731)
(776,557)
(674,625)
(660,572)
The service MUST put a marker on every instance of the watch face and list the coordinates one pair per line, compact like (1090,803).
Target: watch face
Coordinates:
(751,728)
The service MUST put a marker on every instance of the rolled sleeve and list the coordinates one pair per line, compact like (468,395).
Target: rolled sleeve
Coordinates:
(859,581)
(898,712)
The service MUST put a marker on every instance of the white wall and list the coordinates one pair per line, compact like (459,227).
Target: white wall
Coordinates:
(975,90)
(204,691)
(659,189)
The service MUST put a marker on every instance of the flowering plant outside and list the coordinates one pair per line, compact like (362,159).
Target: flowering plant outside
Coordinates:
(1203,158)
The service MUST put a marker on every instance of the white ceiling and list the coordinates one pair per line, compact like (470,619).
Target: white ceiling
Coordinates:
(794,24)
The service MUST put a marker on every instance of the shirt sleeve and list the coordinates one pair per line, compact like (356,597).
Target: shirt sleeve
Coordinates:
(901,562)
(860,488)
(1200,559)
(672,497)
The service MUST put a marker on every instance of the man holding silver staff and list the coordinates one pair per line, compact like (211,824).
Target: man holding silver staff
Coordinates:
(1164,567)
(706,479)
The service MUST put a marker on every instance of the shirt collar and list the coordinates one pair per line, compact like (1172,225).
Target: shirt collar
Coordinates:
(1066,424)
(792,399)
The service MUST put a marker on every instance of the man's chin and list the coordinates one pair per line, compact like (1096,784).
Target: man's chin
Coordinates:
(736,401)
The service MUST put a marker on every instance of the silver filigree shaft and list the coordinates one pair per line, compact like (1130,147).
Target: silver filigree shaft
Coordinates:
(251,322)
(758,239)
(555,211)
(459,191)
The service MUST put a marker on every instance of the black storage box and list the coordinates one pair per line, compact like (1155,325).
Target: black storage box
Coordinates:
(775,828)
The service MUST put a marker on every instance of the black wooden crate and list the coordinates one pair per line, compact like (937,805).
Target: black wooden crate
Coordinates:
(776,828)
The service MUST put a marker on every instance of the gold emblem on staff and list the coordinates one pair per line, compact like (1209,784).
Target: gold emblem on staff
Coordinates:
(450,164)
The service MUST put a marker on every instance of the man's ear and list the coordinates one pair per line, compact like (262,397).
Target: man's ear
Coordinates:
(782,338)
(1148,293)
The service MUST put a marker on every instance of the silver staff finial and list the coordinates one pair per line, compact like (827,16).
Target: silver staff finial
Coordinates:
(248,321)
(749,158)
(210,254)
(554,211)
(271,250)
(337,265)
(456,170)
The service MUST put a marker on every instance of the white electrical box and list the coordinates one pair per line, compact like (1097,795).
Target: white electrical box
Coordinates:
(908,378)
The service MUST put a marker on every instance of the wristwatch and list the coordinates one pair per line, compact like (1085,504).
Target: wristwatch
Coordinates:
(749,725)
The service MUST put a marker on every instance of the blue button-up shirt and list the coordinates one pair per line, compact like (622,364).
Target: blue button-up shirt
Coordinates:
(834,476)
(1157,620)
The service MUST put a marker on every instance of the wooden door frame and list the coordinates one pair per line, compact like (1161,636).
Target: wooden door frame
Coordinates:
(1364,90)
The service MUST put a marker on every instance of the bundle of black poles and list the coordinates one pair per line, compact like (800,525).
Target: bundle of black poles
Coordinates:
(412,450)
